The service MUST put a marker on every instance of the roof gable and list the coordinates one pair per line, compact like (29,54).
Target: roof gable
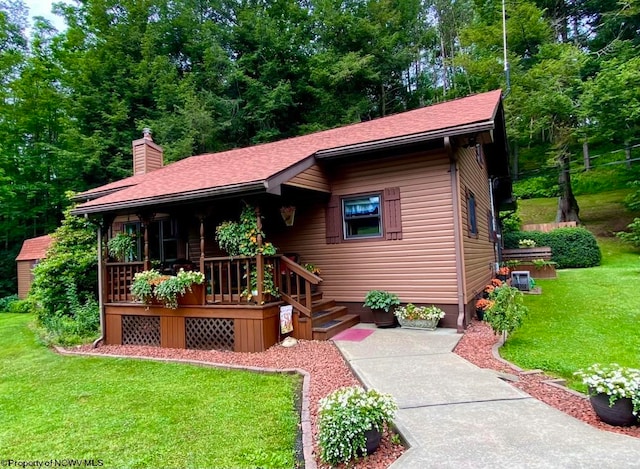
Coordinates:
(34,248)
(251,168)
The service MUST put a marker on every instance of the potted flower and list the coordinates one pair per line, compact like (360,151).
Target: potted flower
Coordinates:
(482,304)
(421,317)
(503,273)
(151,285)
(351,421)
(122,247)
(614,392)
(311,268)
(382,304)
(269,288)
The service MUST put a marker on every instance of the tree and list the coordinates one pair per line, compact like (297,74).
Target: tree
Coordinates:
(64,288)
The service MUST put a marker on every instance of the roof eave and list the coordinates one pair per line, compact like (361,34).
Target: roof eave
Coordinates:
(404,140)
(171,198)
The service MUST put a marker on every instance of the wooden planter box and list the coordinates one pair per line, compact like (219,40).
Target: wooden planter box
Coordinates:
(548,271)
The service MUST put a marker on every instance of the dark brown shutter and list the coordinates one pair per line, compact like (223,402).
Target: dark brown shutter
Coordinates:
(333,220)
(392,214)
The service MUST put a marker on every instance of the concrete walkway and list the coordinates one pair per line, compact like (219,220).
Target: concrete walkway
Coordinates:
(454,414)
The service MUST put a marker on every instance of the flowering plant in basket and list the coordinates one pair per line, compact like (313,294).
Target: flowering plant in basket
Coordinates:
(411,312)
(615,381)
(345,415)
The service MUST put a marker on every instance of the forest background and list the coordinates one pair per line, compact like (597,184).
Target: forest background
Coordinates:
(211,75)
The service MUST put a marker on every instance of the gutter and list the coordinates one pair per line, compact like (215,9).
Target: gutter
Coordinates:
(100,290)
(181,197)
(457,233)
(404,140)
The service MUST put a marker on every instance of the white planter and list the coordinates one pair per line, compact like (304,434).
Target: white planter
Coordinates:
(428,324)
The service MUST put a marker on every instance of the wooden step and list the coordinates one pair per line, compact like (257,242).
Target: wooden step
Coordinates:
(322,304)
(334,326)
(325,315)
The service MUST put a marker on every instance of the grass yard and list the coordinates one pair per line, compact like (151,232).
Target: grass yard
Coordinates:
(132,413)
(585,315)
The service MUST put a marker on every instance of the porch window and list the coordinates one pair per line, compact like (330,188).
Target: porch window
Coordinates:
(362,216)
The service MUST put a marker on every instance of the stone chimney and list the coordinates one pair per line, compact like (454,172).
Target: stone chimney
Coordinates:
(147,156)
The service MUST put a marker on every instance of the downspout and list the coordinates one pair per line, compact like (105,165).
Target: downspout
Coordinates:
(100,289)
(457,234)
(494,227)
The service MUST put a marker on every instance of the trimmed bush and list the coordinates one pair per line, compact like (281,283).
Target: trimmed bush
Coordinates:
(570,247)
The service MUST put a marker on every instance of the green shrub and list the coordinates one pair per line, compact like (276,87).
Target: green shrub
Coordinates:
(633,235)
(574,247)
(511,221)
(6,303)
(65,283)
(570,247)
(506,311)
(535,187)
(599,180)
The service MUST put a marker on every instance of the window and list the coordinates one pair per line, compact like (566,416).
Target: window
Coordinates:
(471,214)
(376,216)
(362,216)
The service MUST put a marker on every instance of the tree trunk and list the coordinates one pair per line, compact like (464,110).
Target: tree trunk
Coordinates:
(568,209)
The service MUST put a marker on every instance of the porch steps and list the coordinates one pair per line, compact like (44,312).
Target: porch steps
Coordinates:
(328,329)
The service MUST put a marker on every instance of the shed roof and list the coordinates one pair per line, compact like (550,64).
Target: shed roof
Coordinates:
(257,167)
(34,248)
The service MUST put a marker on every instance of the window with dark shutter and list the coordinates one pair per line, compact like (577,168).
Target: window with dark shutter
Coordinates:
(392,214)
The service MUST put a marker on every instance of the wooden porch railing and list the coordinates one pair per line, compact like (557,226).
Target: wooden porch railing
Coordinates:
(118,278)
(228,278)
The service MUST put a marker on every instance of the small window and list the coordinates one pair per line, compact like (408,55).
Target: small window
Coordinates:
(361,217)
(471,214)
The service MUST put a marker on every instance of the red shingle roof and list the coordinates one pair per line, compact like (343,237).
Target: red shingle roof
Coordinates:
(34,248)
(240,167)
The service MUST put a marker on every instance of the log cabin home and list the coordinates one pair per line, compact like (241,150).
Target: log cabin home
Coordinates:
(405,203)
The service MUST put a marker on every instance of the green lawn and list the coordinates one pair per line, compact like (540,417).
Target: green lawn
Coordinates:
(585,315)
(132,413)
(603,214)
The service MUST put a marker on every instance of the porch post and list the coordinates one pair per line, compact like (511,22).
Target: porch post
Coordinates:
(259,259)
(146,220)
(201,218)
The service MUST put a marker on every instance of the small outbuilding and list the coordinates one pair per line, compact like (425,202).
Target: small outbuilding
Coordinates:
(33,251)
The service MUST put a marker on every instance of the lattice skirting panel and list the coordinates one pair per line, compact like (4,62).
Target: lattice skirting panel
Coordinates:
(209,333)
(141,330)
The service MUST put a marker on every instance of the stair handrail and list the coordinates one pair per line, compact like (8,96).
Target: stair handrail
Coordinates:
(309,279)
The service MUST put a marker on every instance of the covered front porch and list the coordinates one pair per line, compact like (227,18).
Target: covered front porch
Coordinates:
(218,314)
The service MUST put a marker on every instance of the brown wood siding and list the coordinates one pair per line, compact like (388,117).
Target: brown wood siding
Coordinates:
(255,327)
(146,159)
(478,249)
(172,332)
(420,267)
(25,277)
(313,178)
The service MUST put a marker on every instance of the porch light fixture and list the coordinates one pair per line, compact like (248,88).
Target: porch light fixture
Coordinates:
(288,213)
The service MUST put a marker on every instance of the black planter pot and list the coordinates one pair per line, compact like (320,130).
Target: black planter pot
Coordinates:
(480,314)
(373,437)
(383,318)
(620,414)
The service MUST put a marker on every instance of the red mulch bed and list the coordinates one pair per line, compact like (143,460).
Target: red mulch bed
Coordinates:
(321,359)
(476,345)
